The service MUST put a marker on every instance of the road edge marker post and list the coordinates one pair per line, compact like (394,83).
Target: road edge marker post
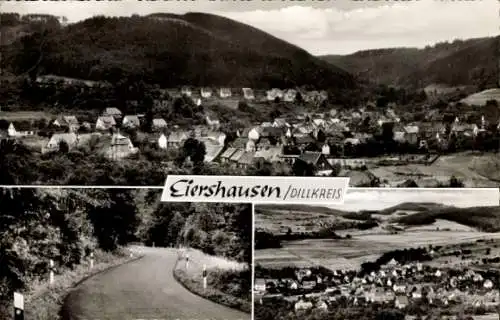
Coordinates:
(91,260)
(18,306)
(187,261)
(51,271)
(204,277)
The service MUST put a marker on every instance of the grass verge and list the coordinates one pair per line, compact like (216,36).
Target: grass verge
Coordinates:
(228,283)
(44,302)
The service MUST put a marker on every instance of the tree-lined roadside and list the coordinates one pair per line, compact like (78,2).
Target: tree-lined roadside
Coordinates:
(46,231)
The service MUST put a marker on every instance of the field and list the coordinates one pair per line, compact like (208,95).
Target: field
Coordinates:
(465,166)
(276,219)
(338,254)
(25,115)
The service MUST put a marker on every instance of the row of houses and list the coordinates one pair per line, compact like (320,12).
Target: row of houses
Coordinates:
(117,147)
(288,95)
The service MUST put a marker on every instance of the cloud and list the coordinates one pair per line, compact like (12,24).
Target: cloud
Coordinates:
(419,23)
(336,27)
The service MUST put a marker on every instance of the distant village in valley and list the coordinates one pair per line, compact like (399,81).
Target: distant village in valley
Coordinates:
(414,287)
(409,261)
(304,135)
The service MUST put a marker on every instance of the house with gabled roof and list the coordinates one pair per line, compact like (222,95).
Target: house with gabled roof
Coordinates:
(70,122)
(212,149)
(246,159)
(290,95)
(20,129)
(159,124)
(260,285)
(71,140)
(271,154)
(235,157)
(121,147)
(316,159)
(248,94)
(226,155)
(176,138)
(131,121)
(206,93)
(273,94)
(112,112)
(105,123)
(225,92)
(163,141)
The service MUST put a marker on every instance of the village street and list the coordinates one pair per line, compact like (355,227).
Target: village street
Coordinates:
(143,289)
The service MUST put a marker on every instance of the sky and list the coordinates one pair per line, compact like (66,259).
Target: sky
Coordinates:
(320,27)
(377,199)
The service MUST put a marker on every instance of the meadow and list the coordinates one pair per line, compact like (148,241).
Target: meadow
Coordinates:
(351,253)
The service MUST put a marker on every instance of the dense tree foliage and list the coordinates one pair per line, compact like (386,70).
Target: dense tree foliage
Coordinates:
(218,229)
(116,48)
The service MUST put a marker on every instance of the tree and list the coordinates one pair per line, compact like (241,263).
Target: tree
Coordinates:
(298,98)
(195,150)
(63,146)
(116,223)
(456,183)
(301,168)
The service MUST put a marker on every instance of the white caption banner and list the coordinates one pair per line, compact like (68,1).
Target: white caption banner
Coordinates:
(258,189)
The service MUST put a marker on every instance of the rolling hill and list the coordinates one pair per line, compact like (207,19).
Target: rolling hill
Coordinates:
(462,62)
(418,214)
(170,50)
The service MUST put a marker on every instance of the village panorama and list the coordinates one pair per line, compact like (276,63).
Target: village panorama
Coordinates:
(76,111)
(401,260)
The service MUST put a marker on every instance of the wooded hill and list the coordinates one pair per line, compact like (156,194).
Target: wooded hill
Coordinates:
(461,62)
(170,50)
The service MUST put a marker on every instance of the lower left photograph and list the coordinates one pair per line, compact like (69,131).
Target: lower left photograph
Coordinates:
(122,254)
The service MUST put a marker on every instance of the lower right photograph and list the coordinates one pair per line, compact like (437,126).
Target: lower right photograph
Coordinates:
(383,254)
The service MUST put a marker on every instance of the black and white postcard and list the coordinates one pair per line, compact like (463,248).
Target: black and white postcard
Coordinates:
(388,93)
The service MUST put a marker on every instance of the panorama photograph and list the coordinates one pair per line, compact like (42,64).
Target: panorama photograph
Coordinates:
(403,254)
(390,94)
(121,254)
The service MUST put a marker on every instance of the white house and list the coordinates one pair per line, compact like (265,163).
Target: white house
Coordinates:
(273,94)
(254,134)
(303,305)
(325,149)
(71,139)
(20,129)
(112,112)
(70,122)
(131,121)
(206,93)
(163,141)
(225,92)
(488,284)
(159,124)
(248,94)
(212,122)
(105,123)
(186,91)
(121,147)
(260,285)
(290,95)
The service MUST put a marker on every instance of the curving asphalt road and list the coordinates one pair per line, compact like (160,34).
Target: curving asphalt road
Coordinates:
(142,290)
